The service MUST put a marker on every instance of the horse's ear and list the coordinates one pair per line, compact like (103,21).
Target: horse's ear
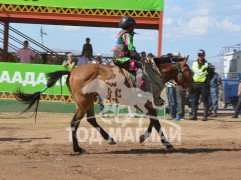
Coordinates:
(185,60)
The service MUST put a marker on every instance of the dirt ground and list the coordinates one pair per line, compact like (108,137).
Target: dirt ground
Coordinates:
(41,150)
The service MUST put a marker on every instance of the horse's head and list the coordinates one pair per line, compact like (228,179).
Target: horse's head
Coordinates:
(183,76)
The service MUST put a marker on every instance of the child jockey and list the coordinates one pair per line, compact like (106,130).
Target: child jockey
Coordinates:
(125,52)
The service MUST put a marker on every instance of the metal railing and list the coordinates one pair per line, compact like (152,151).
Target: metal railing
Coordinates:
(45,49)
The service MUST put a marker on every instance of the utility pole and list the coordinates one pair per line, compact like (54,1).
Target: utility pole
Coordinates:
(41,34)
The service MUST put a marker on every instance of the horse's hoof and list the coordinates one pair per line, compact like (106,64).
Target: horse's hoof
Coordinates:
(111,141)
(142,138)
(170,147)
(79,150)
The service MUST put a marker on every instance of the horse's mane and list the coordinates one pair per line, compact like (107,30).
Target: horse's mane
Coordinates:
(166,60)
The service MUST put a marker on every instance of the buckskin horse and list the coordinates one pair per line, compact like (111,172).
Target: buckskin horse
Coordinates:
(87,80)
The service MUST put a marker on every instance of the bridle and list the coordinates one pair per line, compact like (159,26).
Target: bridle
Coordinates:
(181,75)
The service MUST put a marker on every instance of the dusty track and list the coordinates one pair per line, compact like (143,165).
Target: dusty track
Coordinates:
(209,150)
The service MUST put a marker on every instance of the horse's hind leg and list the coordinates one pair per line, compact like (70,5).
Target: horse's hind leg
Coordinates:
(74,127)
(92,120)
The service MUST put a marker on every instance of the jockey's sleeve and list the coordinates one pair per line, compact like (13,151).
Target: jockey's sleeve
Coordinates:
(128,39)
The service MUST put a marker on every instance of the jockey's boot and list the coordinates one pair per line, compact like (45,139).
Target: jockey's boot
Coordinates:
(140,83)
(158,101)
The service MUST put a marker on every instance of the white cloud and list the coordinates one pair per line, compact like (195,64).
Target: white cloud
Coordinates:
(143,35)
(227,25)
(238,6)
(167,21)
(199,12)
(71,28)
(173,9)
(176,9)
(108,30)
(200,25)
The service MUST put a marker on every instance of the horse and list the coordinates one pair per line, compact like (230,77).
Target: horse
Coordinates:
(87,80)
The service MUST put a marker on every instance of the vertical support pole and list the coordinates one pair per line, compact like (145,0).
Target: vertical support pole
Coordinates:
(160,25)
(5,41)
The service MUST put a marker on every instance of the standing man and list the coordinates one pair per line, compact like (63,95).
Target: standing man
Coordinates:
(25,54)
(143,56)
(172,98)
(215,83)
(149,57)
(238,106)
(87,51)
(200,69)
(180,95)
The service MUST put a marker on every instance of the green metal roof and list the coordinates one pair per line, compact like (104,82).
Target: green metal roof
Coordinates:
(140,5)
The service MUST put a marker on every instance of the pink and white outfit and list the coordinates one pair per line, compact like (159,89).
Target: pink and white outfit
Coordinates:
(25,55)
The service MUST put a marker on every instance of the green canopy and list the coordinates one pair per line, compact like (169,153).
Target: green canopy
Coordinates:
(141,5)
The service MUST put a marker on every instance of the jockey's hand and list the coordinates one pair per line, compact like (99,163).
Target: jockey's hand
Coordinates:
(135,55)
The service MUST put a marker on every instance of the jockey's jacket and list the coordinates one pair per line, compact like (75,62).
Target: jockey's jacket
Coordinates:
(123,46)
(200,73)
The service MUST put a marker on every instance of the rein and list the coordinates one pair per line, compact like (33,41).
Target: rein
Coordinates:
(181,76)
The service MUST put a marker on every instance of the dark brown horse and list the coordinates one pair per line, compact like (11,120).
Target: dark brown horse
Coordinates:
(87,80)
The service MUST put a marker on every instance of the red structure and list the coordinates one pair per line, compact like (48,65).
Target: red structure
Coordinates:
(10,13)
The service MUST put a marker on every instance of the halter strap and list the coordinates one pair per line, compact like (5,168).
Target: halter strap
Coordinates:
(178,68)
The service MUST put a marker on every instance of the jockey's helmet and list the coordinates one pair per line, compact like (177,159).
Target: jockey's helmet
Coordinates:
(126,22)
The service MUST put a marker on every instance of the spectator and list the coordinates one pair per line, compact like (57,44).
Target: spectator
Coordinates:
(130,112)
(200,69)
(180,95)
(70,61)
(215,83)
(87,51)
(172,99)
(176,55)
(97,59)
(149,57)
(25,54)
(180,103)
(82,60)
(238,106)
(143,56)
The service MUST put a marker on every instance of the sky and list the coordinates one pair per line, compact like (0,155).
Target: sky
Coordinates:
(188,25)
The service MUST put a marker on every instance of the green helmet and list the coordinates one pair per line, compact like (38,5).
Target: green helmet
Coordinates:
(126,22)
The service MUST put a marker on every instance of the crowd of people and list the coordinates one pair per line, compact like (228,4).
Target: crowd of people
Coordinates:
(206,89)
(206,81)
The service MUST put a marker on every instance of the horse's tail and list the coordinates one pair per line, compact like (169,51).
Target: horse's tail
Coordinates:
(31,99)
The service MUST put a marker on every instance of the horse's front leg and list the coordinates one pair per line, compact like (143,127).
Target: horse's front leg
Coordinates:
(154,122)
(74,127)
(147,133)
(164,140)
(92,120)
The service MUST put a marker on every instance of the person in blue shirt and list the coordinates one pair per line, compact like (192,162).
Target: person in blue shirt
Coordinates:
(215,82)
